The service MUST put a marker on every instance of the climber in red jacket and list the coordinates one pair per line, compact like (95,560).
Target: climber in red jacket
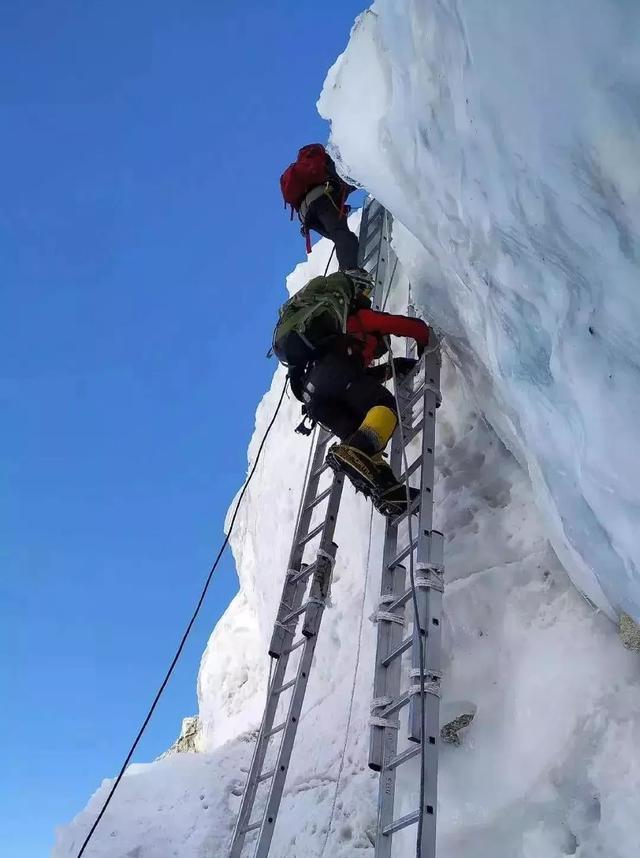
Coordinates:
(345,394)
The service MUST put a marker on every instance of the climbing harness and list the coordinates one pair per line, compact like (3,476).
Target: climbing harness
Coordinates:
(314,194)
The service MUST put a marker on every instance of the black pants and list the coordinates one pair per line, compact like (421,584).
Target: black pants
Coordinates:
(339,392)
(324,217)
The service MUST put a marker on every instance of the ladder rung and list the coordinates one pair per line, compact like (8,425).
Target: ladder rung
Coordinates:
(370,249)
(416,396)
(277,729)
(369,256)
(268,775)
(323,467)
(402,757)
(401,822)
(401,556)
(396,705)
(413,510)
(373,236)
(410,434)
(400,601)
(284,687)
(302,573)
(312,533)
(251,827)
(377,213)
(366,239)
(412,469)
(293,615)
(294,646)
(319,498)
(402,647)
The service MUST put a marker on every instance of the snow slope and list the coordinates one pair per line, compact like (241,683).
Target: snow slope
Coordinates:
(512,253)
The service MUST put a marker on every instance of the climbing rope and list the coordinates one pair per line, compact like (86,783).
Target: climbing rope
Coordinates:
(353,690)
(333,250)
(187,631)
(416,616)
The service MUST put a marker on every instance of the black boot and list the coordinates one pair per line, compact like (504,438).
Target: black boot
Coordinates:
(373,477)
(391,495)
(361,469)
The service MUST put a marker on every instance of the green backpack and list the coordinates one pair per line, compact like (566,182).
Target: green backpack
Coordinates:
(313,318)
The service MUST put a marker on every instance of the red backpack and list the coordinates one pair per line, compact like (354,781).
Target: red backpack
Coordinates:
(306,172)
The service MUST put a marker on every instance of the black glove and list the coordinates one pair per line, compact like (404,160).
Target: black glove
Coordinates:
(361,301)
(380,372)
(302,428)
(403,366)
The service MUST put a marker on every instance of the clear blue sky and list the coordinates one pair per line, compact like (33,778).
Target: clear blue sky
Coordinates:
(143,249)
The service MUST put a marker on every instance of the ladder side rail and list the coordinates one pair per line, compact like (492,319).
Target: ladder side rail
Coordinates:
(383,742)
(426,628)
(282,638)
(257,761)
(388,639)
(364,228)
(286,747)
(293,592)
(387,680)
(382,267)
(321,582)
(374,246)
(370,239)
(318,594)
(310,493)
(429,566)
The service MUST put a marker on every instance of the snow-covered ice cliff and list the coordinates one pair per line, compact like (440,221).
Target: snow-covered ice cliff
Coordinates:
(505,138)
(504,141)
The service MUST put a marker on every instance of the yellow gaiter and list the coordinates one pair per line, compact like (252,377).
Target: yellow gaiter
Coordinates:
(375,430)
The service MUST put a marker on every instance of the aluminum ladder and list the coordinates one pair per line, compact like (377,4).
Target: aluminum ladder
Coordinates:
(419,397)
(293,608)
(316,525)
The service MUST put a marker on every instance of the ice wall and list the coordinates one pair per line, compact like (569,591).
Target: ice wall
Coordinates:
(505,139)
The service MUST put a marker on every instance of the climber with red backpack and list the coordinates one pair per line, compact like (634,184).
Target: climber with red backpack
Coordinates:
(328,336)
(312,187)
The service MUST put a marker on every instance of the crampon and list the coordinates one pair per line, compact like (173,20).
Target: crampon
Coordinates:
(374,479)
